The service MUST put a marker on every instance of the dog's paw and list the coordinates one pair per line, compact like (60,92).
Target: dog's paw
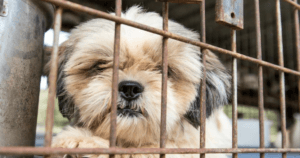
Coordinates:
(79,143)
(73,137)
(139,156)
(79,156)
(76,143)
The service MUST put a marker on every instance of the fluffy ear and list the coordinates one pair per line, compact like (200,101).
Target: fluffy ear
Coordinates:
(217,89)
(66,104)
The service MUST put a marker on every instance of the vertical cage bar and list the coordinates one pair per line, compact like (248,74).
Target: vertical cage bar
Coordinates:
(234,93)
(52,79)
(113,117)
(260,79)
(163,134)
(282,82)
(297,34)
(202,15)
(203,82)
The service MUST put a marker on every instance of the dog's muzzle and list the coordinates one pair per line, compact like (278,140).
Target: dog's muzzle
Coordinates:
(127,111)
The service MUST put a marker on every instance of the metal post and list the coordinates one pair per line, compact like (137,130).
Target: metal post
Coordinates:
(20,69)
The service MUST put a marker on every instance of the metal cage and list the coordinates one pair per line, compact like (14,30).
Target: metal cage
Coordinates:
(62,4)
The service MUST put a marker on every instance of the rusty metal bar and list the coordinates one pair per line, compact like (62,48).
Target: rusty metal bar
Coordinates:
(202,15)
(260,79)
(77,7)
(203,81)
(234,94)
(203,105)
(113,117)
(282,82)
(52,79)
(55,151)
(297,34)
(295,4)
(163,133)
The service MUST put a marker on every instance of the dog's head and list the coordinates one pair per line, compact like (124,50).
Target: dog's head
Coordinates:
(85,78)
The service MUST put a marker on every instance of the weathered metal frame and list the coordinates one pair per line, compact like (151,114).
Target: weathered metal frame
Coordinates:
(47,150)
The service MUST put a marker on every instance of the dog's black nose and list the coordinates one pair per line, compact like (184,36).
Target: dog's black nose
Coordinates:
(130,90)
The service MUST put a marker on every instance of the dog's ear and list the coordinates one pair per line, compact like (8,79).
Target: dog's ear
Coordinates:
(65,101)
(218,83)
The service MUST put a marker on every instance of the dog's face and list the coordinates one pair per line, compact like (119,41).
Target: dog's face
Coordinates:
(85,79)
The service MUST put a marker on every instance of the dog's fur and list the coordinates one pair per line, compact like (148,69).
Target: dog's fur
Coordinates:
(85,79)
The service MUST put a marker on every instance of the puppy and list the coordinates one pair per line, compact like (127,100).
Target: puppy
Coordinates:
(85,79)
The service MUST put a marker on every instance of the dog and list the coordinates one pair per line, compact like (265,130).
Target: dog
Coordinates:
(85,79)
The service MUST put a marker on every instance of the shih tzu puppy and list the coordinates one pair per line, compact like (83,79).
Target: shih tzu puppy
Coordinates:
(85,79)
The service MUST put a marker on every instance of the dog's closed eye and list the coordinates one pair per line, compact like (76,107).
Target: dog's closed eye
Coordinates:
(100,66)
(171,72)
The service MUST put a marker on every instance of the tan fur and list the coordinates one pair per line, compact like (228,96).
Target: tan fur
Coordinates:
(85,79)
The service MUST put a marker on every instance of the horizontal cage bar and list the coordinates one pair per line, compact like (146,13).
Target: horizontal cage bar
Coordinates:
(55,151)
(77,7)
(293,3)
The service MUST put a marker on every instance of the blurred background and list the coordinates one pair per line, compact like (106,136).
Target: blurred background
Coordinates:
(219,35)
